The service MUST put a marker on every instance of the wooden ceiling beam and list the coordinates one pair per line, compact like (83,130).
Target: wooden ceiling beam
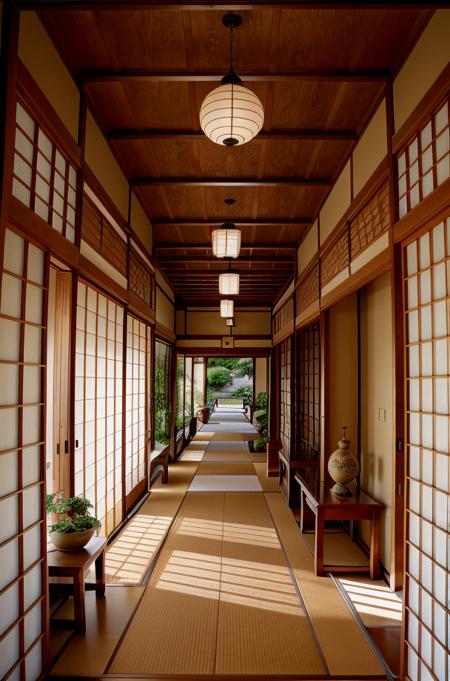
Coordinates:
(274,135)
(206,258)
(226,5)
(239,222)
(228,182)
(207,247)
(146,76)
(179,273)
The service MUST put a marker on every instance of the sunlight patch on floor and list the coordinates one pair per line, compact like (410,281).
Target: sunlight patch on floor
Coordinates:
(240,582)
(376,599)
(128,557)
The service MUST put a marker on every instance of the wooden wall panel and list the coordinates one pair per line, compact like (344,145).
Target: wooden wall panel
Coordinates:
(101,235)
(140,281)
(335,260)
(371,222)
(308,290)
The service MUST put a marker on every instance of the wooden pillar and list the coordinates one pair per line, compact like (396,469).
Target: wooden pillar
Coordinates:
(8,84)
(398,402)
(324,444)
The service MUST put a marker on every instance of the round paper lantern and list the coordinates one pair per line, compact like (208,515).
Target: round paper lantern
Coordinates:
(231,115)
(229,284)
(226,308)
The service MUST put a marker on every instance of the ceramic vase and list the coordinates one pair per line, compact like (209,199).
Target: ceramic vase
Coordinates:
(343,467)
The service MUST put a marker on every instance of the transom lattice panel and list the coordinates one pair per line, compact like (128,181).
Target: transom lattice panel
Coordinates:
(98,404)
(285,396)
(23,608)
(427,288)
(43,178)
(137,423)
(308,376)
(424,163)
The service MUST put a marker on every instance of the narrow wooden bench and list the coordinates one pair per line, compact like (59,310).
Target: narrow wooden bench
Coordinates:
(159,459)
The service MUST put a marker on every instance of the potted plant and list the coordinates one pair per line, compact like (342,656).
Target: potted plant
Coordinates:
(75,525)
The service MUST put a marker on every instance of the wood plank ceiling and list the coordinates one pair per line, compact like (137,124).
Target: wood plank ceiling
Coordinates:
(319,74)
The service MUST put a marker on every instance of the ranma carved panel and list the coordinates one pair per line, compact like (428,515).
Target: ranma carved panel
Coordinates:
(140,280)
(308,291)
(371,221)
(101,236)
(335,259)
(284,315)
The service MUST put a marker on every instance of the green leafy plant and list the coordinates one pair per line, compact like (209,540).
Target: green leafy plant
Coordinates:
(260,443)
(262,400)
(161,407)
(75,514)
(244,367)
(245,391)
(218,377)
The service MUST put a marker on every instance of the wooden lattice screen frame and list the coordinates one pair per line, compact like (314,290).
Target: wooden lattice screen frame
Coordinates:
(285,387)
(23,582)
(99,385)
(424,162)
(44,180)
(308,392)
(426,271)
(137,397)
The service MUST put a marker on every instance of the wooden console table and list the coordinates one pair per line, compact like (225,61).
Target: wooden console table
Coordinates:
(75,564)
(318,504)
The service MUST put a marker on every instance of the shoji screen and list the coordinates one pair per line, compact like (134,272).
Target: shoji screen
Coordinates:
(188,405)
(44,180)
(427,282)
(98,404)
(22,461)
(285,396)
(137,423)
(308,381)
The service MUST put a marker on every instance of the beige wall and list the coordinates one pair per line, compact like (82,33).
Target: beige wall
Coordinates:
(162,283)
(208,321)
(371,149)
(342,399)
(165,311)
(42,60)
(140,223)
(101,161)
(260,375)
(336,204)
(425,63)
(377,436)
(308,248)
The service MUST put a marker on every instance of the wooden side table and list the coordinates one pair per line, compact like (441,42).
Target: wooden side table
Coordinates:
(75,564)
(318,504)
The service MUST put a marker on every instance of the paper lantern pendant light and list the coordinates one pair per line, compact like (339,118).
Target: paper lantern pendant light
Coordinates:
(226,241)
(230,321)
(226,308)
(229,284)
(231,114)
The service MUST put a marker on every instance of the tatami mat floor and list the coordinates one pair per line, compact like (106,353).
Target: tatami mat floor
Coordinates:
(232,592)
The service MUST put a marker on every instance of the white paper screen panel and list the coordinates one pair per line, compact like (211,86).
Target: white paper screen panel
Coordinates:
(98,404)
(22,460)
(427,288)
(137,432)
(43,178)
(424,163)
